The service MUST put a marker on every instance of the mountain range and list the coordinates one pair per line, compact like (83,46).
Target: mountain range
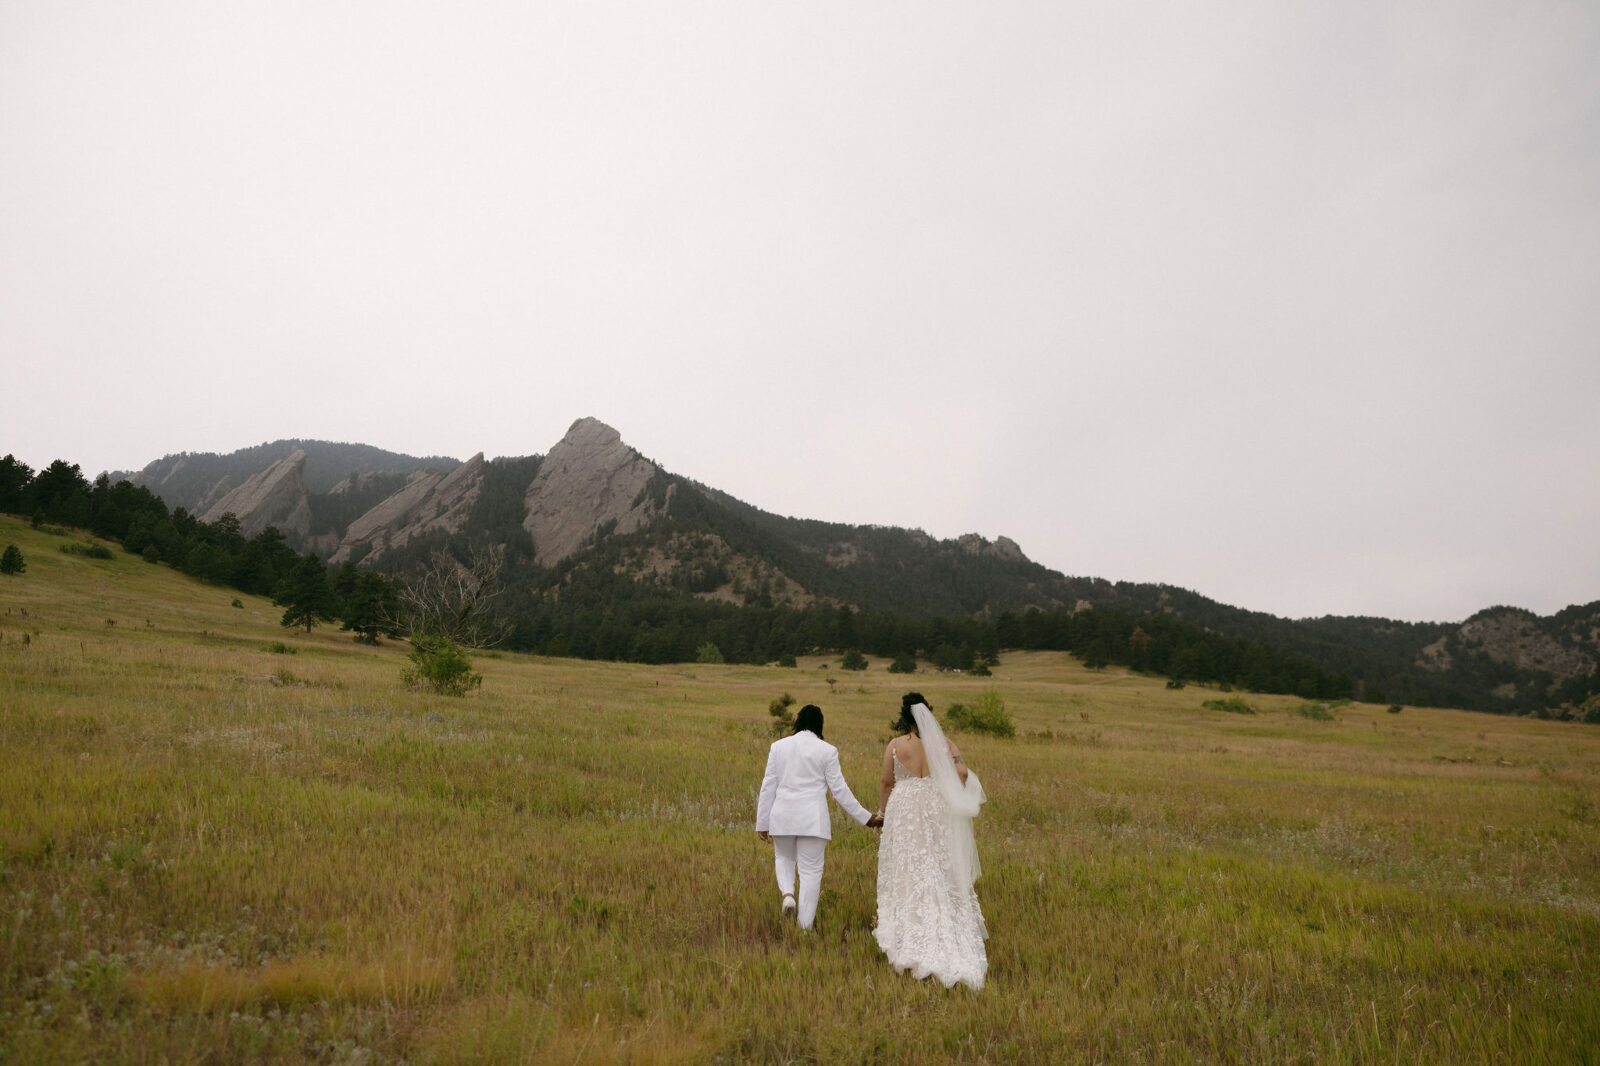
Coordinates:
(593,509)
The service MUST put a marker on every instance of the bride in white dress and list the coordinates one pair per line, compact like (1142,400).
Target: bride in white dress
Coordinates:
(929,921)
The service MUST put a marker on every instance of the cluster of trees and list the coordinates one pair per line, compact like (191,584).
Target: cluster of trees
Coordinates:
(217,552)
(362,601)
(599,612)
(897,570)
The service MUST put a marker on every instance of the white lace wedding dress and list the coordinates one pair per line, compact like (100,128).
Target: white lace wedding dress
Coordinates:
(929,921)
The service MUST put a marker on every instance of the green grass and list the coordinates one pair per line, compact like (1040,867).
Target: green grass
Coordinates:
(207,858)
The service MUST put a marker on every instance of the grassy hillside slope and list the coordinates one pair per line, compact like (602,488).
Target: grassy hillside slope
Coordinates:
(199,864)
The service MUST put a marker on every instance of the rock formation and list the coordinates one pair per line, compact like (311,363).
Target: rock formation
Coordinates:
(589,480)
(1002,548)
(274,497)
(1436,656)
(216,493)
(428,502)
(1517,637)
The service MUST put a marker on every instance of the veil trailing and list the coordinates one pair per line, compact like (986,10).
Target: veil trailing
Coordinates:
(961,800)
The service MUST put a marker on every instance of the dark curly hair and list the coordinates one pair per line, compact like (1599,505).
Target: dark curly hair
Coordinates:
(810,717)
(906,723)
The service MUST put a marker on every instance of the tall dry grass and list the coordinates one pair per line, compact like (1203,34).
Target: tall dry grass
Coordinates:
(213,852)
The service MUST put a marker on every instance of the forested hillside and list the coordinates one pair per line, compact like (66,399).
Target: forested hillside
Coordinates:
(191,480)
(706,574)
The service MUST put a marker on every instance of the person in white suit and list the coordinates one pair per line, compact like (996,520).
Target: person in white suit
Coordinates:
(793,810)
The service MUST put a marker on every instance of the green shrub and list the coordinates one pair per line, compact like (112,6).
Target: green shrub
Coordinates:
(237,603)
(782,717)
(1394,708)
(1317,712)
(904,663)
(278,647)
(853,660)
(1233,705)
(708,653)
(92,551)
(986,714)
(440,663)
(11,561)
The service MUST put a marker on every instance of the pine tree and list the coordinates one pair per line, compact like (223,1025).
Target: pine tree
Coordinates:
(305,594)
(368,603)
(904,663)
(11,560)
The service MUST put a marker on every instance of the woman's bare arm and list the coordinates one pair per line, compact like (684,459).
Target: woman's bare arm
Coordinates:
(955,753)
(886,782)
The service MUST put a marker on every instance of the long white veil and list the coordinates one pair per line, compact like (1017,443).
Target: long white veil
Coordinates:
(961,800)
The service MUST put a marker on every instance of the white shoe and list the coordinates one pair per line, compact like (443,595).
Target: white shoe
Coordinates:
(788,904)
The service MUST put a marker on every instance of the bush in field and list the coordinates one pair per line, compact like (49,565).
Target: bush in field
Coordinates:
(11,560)
(853,660)
(1394,708)
(904,663)
(986,714)
(708,653)
(782,717)
(1317,712)
(1233,705)
(440,663)
(90,550)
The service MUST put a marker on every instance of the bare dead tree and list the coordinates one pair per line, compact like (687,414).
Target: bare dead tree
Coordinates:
(457,600)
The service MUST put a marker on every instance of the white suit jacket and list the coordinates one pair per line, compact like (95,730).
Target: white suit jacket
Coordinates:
(801,770)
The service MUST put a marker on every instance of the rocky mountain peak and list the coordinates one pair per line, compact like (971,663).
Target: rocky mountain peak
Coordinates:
(1515,636)
(1002,548)
(428,502)
(588,434)
(274,497)
(590,479)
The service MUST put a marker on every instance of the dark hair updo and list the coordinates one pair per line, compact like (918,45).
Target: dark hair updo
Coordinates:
(907,723)
(810,717)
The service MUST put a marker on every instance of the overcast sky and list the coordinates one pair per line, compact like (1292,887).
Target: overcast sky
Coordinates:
(1296,305)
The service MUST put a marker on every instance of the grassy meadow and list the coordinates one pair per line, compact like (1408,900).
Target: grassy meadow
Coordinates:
(221,841)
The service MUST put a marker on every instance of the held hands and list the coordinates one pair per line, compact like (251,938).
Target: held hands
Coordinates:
(874,822)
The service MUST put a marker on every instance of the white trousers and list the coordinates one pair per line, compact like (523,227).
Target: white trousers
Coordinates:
(806,853)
